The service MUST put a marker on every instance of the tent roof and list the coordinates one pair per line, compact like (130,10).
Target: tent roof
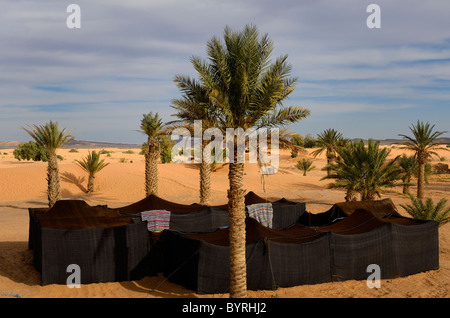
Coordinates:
(77,214)
(255,232)
(376,207)
(153,202)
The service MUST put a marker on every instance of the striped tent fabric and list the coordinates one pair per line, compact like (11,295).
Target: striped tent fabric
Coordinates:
(262,212)
(157,220)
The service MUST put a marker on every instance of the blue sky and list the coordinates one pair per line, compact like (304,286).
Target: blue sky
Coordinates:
(100,79)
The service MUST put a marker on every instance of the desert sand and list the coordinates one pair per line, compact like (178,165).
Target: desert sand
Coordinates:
(23,185)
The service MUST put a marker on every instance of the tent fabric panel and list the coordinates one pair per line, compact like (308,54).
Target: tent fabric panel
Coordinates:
(203,221)
(103,254)
(298,264)
(285,215)
(351,254)
(214,268)
(180,259)
(416,247)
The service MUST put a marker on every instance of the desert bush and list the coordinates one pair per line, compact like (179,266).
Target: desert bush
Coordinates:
(73,150)
(30,151)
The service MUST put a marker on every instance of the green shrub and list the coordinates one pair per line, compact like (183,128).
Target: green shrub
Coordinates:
(30,151)
(73,150)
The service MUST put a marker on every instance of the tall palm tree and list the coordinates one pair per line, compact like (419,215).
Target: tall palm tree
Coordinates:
(92,165)
(152,126)
(329,141)
(409,167)
(51,138)
(195,104)
(248,90)
(364,170)
(424,143)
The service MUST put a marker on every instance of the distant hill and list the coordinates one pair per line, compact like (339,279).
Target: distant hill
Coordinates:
(80,144)
(387,142)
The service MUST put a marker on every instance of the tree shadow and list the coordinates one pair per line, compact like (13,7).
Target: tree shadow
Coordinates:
(71,178)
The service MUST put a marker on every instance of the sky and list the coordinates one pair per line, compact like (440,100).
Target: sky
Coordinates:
(98,80)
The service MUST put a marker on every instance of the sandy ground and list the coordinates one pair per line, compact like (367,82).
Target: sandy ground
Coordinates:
(23,185)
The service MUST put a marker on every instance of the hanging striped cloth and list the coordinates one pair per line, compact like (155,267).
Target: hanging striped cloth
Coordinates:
(157,220)
(262,212)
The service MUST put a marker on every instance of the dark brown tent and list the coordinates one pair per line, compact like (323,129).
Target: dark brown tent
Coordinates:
(379,208)
(106,246)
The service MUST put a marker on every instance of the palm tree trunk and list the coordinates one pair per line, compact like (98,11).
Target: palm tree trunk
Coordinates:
(151,168)
(54,188)
(421,180)
(91,180)
(205,182)
(407,180)
(205,178)
(350,195)
(236,209)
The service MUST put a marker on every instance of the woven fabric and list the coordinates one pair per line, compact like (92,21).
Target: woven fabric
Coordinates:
(157,220)
(262,212)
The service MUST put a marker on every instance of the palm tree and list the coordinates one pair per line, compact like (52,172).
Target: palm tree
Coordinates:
(363,170)
(421,210)
(152,126)
(195,104)
(248,91)
(92,165)
(51,138)
(305,166)
(424,143)
(329,140)
(408,166)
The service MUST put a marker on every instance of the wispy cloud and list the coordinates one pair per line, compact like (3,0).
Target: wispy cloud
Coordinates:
(100,79)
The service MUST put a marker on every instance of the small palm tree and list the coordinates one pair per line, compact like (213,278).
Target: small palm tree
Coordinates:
(424,143)
(409,167)
(363,170)
(51,138)
(419,209)
(152,126)
(195,104)
(330,140)
(305,165)
(92,165)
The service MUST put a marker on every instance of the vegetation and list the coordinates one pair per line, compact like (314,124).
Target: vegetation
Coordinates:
(152,126)
(363,170)
(30,151)
(309,141)
(92,165)
(426,210)
(329,141)
(248,91)
(305,165)
(409,167)
(424,143)
(196,104)
(51,138)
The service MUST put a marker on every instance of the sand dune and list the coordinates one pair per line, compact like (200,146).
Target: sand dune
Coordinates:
(23,185)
